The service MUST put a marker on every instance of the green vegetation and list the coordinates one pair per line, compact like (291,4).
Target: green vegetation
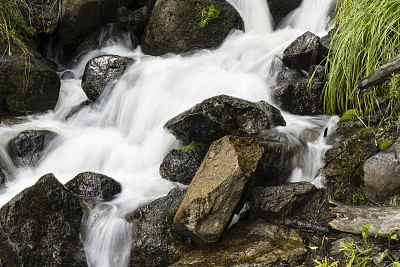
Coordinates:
(208,13)
(349,115)
(367,36)
(359,259)
(325,263)
(199,147)
(385,144)
(12,25)
(359,198)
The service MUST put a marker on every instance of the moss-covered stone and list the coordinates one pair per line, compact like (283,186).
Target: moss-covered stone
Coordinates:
(175,26)
(349,115)
(385,144)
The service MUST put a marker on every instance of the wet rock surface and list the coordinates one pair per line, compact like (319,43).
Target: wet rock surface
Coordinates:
(26,86)
(280,8)
(94,186)
(180,166)
(42,223)
(27,149)
(251,243)
(174,26)
(133,21)
(217,188)
(277,161)
(279,201)
(305,51)
(302,96)
(381,174)
(102,70)
(222,115)
(154,243)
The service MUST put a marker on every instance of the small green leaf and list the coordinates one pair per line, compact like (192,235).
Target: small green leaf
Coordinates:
(394,237)
(383,256)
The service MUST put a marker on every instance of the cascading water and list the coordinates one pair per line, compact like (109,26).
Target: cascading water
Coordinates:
(122,135)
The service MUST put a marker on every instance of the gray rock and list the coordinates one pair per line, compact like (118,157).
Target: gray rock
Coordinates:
(154,243)
(305,51)
(102,70)
(381,174)
(94,186)
(222,115)
(217,188)
(174,26)
(27,149)
(133,21)
(251,243)
(42,223)
(279,201)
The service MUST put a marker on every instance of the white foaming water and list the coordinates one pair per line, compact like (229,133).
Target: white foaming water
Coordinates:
(122,135)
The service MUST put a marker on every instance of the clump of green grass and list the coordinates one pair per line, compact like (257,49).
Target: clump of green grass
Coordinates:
(367,36)
(208,13)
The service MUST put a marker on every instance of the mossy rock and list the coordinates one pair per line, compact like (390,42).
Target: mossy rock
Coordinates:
(344,161)
(174,26)
(27,82)
(349,115)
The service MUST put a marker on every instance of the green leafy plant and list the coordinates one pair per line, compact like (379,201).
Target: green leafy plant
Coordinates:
(359,259)
(325,263)
(391,235)
(366,37)
(366,231)
(208,13)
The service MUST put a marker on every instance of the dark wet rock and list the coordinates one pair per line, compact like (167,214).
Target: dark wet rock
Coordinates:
(381,174)
(344,161)
(280,8)
(279,201)
(80,18)
(133,21)
(137,4)
(327,39)
(77,108)
(67,75)
(181,165)
(217,188)
(102,70)
(42,224)
(26,86)
(305,51)
(2,178)
(251,243)
(222,115)
(277,161)
(287,75)
(301,97)
(154,243)
(174,26)
(27,149)
(8,257)
(94,186)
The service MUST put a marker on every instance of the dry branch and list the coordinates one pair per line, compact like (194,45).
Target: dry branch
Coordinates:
(380,75)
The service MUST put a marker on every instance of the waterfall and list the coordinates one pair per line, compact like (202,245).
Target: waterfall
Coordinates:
(122,135)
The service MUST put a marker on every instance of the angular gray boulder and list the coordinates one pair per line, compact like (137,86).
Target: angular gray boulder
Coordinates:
(222,115)
(175,25)
(102,70)
(217,188)
(381,174)
(94,186)
(42,223)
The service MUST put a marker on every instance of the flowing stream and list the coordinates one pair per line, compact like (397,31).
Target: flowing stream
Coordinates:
(122,135)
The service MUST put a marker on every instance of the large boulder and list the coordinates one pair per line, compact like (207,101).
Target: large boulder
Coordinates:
(27,149)
(133,21)
(251,243)
(8,257)
(80,18)
(305,51)
(222,115)
(28,84)
(217,188)
(381,174)
(154,243)
(102,70)
(94,186)
(175,26)
(302,96)
(279,201)
(280,8)
(42,223)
